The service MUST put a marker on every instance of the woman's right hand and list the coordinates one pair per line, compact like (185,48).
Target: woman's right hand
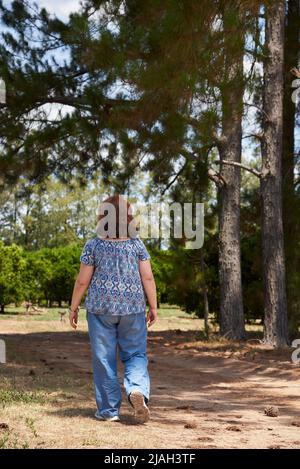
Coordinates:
(151,316)
(73,316)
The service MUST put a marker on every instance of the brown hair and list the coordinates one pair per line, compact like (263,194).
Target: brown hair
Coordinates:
(122,221)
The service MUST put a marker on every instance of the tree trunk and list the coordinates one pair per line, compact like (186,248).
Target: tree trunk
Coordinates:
(291,218)
(15,212)
(275,306)
(205,296)
(2,309)
(231,306)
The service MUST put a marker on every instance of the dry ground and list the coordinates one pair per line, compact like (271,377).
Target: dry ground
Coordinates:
(205,394)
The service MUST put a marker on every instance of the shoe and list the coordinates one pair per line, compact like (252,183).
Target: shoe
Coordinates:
(115,418)
(141,410)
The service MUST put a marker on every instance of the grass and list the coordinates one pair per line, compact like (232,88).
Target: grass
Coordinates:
(50,314)
(30,423)
(170,317)
(18,313)
(14,396)
(10,440)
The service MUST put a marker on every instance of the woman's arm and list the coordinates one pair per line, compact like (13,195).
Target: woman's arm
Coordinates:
(150,290)
(82,282)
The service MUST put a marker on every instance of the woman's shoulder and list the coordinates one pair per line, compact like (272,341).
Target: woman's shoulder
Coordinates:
(91,243)
(141,249)
(88,252)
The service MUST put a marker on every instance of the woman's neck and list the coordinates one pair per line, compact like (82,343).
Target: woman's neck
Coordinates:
(114,239)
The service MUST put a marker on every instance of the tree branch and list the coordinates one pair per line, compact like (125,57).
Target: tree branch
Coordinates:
(213,175)
(259,136)
(174,178)
(262,111)
(240,165)
(216,177)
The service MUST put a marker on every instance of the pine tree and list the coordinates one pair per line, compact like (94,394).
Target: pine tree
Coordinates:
(79,140)
(275,306)
(232,92)
(291,200)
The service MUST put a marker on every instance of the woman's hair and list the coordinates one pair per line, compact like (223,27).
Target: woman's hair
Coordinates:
(115,219)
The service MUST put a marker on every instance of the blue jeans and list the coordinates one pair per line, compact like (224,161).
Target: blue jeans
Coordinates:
(128,334)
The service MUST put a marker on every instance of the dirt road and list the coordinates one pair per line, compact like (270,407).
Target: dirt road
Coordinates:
(204,394)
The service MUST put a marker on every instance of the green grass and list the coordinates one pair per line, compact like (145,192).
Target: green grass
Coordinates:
(52,314)
(18,313)
(12,396)
(9,440)
(167,312)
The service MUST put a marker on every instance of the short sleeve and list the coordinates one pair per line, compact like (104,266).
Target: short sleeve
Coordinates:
(143,254)
(87,256)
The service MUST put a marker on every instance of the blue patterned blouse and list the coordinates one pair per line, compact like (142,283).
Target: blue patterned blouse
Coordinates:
(116,287)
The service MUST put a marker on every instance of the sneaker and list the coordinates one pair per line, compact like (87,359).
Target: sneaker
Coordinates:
(115,418)
(141,410)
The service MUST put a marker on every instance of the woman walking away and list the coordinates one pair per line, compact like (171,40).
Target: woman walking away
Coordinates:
(115,267)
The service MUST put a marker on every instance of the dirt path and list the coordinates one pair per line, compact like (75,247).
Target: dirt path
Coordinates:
(204,395)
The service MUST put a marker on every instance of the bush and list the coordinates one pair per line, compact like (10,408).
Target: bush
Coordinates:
(12,267)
